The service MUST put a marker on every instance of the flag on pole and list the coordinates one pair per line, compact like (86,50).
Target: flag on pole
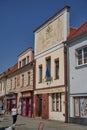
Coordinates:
(47,73)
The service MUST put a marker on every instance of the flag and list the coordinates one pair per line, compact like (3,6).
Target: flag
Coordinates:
(47,73)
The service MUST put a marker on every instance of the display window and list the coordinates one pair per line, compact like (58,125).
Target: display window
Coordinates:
(80,107)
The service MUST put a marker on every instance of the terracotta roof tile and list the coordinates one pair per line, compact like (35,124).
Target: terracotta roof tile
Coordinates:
(11,69)
(72,30)
(80,30)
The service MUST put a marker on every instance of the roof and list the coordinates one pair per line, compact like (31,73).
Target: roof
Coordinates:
(72,29)
(80,30)
(11,69)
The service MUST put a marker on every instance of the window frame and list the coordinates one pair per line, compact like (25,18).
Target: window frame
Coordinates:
(82,110)
(28,59)
(22,80)
(82,56)
(40,73)
(56,68)
(0,86)
(28,78)
(56,102)
(48,64)
(24,62)
(15,82)
(11,84)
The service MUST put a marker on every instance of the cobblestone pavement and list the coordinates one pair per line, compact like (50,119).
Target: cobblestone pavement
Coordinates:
(26,123)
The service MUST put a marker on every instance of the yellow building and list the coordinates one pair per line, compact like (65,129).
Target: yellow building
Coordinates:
(16,84)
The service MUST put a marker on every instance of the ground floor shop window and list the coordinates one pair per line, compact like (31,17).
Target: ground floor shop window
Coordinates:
(80,106)
(56,102)
(27,107)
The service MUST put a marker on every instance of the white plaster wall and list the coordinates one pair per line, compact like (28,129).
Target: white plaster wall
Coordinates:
(71,107)
(78,77)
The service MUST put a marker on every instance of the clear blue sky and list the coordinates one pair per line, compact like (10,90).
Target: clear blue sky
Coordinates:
(19,18)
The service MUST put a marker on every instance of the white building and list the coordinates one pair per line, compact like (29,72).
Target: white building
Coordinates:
(77,75)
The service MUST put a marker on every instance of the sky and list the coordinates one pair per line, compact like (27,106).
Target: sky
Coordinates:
(19,18)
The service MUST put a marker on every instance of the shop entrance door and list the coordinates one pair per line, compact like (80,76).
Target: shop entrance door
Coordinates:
(8,106)
(29,108)
(24,107)
(10,103)
(40,105)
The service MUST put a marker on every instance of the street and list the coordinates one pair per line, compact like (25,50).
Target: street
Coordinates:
(26,123)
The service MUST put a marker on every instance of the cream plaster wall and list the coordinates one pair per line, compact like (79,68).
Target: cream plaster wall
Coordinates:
(50,35)
(26,77)
(55,54)
(17,89)
(2,87)
(25,55)
(19,103)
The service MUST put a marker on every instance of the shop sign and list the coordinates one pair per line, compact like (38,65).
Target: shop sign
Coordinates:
(27,94)
(11,96)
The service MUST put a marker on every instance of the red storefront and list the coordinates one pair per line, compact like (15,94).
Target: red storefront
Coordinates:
(27,104)
(11,99)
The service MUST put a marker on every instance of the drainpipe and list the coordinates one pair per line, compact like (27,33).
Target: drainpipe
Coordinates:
(34,63)
(66,90)
(67,109)
(68,81)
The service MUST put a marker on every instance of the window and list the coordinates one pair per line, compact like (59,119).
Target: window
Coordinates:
(22,80)
(57,69)
(80,106)
(15,82)
(24,62)
(27,59)
(53,102)
(56,102)
(40,74)
(76,111)
(18,80)
(81,55)
(1,86)
(28,78)
(11,84)
(85,55)
(48,68)
(20,64)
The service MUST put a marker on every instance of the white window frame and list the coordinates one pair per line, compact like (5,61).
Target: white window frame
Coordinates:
(80,108)
(76,54)
(56,102)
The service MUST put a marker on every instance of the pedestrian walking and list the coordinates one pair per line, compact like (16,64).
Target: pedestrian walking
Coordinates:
(14,114)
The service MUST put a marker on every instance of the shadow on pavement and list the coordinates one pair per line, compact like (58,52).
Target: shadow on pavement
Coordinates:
(20,124)
(7,128)
(2,128)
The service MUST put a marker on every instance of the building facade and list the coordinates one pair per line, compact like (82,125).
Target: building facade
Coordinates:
(2,91)
(19,84)
(77,75)
(25,65)
(50,89)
